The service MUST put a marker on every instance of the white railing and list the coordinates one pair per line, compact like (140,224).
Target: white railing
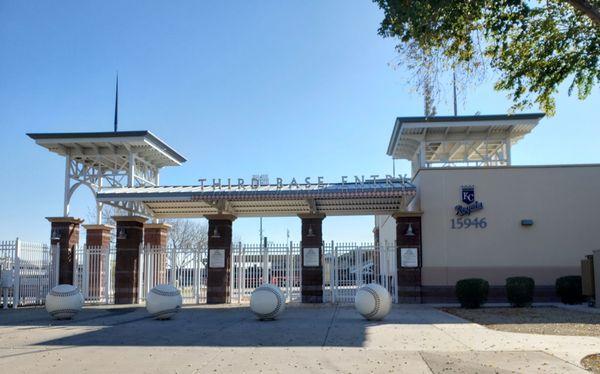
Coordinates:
(254,264)
(184,268)
(347,266)
(94,273)
(28,271)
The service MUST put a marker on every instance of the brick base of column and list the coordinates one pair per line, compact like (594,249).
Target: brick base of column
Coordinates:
(312,246)
(130,235)
(156,235)
(408,235)
(219,258)
(65,234)
(97,241)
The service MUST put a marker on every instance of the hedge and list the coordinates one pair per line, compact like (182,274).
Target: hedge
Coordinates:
(519,291)
(472,292)
(569,289)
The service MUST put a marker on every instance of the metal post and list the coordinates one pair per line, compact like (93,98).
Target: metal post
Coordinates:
(141,264)
(173,266)
(67,196)
(288,273)
(106,275)
(17,274)
(231,272)
(243,269)
(332,271)
(507,152)
(131,170)
(265,270)
(359,265)
(196,274)
(239,273)
(86,272)
(292,269)
(99,205)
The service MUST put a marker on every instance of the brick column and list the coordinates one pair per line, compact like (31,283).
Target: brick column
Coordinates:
(219,258)
(156,235)
(312,257)
(130,235)
(408,237)
(65,234)
(97,237)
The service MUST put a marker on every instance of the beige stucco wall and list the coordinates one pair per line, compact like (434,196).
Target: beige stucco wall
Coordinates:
(563,202)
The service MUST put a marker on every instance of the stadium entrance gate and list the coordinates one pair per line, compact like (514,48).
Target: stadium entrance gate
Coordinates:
(346,266)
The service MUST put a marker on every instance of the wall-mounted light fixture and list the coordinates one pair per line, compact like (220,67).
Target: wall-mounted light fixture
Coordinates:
(55,234)
(310,232)
(409,230)
(121,233)
(215,234)
(526,222)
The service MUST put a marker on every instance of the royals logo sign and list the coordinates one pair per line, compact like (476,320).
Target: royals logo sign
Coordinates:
(468,194)
(468,197)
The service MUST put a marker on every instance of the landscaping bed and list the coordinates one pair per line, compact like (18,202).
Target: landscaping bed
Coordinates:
(592,363)
(535,320)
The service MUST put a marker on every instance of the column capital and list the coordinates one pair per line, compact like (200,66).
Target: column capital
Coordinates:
(139,219)
(407,214)
(101,227)
(72,220)
(311,215)
(224,217)
(160,226)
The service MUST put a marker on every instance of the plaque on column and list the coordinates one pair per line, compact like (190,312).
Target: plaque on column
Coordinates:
(216,259)
(409,257)
(311,257)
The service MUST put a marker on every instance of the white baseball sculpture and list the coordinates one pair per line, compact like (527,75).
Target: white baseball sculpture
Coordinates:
(163,301)
(373,301)
(64,301)
(267,302)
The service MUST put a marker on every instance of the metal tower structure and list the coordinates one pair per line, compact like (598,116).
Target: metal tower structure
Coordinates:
(110,159)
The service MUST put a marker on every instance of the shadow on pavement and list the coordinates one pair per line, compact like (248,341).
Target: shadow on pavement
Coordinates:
(304,325)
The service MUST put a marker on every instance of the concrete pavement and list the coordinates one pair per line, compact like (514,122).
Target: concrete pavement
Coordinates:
(322,338)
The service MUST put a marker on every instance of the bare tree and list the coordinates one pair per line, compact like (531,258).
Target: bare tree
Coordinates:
(108,211)
(187,233)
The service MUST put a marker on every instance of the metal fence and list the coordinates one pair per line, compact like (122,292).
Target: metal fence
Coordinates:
(94,273)
(184,268)
(347,266)
(251,266)
(255,264)
(30,270)
(27,272)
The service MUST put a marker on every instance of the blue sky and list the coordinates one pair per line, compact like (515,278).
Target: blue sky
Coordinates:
(294,88)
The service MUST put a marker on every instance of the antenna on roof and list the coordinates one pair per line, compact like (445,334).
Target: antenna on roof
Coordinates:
(117,104)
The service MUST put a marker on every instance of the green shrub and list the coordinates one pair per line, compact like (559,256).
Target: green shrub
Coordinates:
(519,291)
(472,292)
(569,289)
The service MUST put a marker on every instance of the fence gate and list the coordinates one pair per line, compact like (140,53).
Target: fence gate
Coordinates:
(94,273)
(184,268)
(255,264)
(347,266)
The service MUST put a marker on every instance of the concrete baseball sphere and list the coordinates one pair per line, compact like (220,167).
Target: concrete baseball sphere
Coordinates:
(163,301)
(267,302)
(64,301)
(373,301)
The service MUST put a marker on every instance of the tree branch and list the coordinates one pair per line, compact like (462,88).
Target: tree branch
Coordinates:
(587,8)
